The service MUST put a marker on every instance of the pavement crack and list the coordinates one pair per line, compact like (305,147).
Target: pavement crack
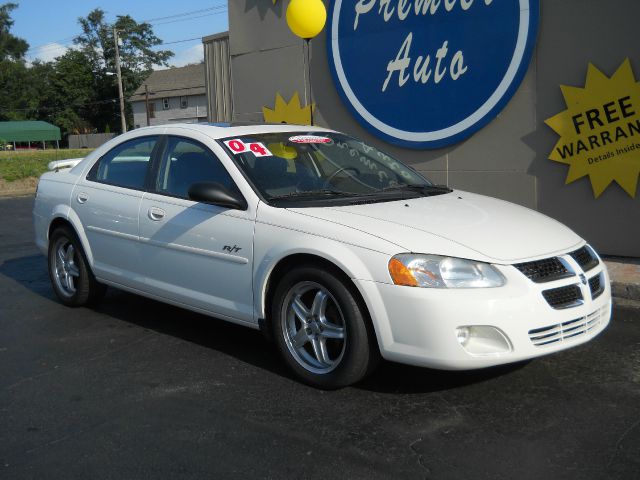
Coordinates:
(415,451)
(620,440)
(65,437)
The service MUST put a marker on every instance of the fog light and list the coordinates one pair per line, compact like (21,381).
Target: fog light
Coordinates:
(462,333)
(483,340)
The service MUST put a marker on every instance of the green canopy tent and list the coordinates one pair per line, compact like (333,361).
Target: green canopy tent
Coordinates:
(28,131)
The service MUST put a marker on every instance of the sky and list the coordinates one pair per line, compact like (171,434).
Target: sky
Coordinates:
(50,25)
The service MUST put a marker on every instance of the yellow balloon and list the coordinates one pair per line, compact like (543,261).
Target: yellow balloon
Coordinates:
(306,18)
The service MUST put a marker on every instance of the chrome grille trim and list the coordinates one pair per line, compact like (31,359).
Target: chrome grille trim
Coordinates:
(562,332)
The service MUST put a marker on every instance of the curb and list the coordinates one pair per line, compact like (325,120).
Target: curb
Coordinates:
(625,303)
(624,274)
(626,291)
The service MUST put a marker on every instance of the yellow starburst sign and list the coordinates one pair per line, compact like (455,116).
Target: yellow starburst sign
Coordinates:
(291,112)
(600,130)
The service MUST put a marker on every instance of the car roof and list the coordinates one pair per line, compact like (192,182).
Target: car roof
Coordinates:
(225,130)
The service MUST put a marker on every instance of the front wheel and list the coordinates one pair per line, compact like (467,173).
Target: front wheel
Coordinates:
(72,280)
(321,329)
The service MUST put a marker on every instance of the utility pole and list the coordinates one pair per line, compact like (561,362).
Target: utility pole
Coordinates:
(123,120)
(146,101)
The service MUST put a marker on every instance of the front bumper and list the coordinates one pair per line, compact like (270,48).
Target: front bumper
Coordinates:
(418,326)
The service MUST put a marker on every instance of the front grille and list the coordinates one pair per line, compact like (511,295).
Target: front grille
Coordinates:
(542,271)
(585,258)
(563,297)
(565,331)
(596,286)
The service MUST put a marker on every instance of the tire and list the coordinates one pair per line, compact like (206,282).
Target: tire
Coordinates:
(321,330)
(71,278)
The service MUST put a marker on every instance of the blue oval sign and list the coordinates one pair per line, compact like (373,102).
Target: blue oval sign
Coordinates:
(429,73)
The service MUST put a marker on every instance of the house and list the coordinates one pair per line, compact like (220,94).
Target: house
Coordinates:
(172,95)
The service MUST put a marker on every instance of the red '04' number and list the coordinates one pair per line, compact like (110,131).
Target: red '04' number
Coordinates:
(237,146)
(257,148)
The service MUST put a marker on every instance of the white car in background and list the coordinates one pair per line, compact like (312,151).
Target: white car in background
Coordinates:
(336,250)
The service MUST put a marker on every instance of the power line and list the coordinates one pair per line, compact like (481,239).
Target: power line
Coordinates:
(61,46)
(65,42)
(179,41)
(187,19)
(184,14)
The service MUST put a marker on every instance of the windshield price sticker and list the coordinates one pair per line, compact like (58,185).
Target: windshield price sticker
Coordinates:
(237,146)
(309,139)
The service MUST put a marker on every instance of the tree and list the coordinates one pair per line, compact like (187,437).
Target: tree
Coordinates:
(13,98)
(74,92)
(137,59)
(12,48)
(13,71)
(63,92)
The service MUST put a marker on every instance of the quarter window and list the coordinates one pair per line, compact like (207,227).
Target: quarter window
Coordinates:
(125,165)
(186,162)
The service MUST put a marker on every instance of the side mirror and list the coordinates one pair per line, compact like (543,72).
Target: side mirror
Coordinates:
(216,194)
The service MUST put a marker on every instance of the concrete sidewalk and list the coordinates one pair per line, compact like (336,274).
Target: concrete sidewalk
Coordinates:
(625,278)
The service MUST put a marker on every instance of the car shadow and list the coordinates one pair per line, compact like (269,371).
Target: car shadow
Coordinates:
(391,377)
(236,341)
(241,343)
(31,272)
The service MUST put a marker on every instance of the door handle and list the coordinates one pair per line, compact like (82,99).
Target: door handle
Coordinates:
(156,213)
(82,197)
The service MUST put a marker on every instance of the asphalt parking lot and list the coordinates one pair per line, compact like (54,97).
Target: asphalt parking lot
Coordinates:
(138,389)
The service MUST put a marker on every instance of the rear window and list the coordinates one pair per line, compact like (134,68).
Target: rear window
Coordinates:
(125,165)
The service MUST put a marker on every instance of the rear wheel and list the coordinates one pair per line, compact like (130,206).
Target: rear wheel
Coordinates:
(72,280)
(321,329)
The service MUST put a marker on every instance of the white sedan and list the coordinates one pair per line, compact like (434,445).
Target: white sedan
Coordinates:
(337,251)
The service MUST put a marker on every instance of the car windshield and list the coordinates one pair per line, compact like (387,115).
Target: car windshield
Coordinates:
(307,166)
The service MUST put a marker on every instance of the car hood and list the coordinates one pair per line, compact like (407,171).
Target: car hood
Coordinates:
(480,227)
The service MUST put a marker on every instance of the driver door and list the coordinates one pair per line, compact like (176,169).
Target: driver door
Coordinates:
(195,253)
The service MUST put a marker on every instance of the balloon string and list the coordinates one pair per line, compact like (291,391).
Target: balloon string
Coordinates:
(310,101)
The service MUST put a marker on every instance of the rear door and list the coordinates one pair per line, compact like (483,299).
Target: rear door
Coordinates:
(107,202)
(194,253)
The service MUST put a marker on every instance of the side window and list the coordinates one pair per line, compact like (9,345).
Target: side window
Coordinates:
(126,165)
(186,162)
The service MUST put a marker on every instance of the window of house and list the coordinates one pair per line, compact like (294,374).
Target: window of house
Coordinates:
(165,104)
(152,109)
(184,102)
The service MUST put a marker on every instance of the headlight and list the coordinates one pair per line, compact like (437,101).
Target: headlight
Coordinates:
(433,271)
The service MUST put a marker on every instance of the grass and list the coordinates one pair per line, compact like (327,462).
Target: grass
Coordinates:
(33,163)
